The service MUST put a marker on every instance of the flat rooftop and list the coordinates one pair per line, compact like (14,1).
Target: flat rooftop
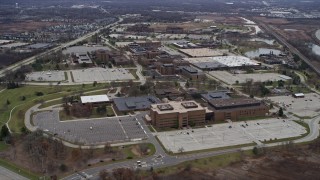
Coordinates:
(176,107)
(14,45)
(234,103)
(135,103)
(94,99)
(203,52)
(215,95)
(222,61)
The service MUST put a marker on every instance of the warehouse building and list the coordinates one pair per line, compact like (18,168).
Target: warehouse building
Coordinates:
(177,114)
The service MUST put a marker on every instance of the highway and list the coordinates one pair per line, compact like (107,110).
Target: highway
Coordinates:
(272,30)
(60,47)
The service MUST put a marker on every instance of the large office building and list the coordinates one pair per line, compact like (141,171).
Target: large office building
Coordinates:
(177,114)
(237,108)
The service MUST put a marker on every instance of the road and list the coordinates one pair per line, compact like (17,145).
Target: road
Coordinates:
(162,159)
(60,47)
(6,174)
(272,30)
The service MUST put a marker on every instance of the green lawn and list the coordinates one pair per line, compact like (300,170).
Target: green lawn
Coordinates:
(19,170)
(109,113)
(72,78)
(206,163)
(66,76)
(14,97)
(3,146)
(134,73)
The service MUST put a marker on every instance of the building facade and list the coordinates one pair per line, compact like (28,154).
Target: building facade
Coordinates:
(237,109)
(177,114)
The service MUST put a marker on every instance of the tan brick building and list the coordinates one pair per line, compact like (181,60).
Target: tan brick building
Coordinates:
(235,109)
(177,114)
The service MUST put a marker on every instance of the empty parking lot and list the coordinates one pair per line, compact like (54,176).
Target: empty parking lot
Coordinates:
(303,107)
(101,75)
(230,134)
(90,131)
(46,76)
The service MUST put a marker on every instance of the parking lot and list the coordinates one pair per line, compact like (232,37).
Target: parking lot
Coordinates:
(242,78)
(230,134)
(54,76)
(101,75)
(307,106)
(90,131)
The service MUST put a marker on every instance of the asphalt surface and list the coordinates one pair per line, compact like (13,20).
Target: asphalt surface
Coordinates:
(161,159)
(6,174)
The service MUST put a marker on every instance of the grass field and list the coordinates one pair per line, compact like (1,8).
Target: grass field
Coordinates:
(19,106)
(206,163)
(3,146)
(19,170)
(94,114)
(134,73)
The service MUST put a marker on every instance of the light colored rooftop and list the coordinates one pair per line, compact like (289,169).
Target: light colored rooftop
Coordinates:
(13,45)
(94,99)
(176,107)
(230,61)
(204,52)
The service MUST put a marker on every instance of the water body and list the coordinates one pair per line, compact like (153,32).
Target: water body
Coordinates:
(256,27)
(268,41)
(316,49)
(258,52)
(248,21)
(318,34)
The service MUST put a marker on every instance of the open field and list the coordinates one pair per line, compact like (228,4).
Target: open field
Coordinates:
(16,27)
(14,96)
(230,134)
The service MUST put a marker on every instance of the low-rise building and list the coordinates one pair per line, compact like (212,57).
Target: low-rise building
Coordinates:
(237,108)
(208,96)
(95,100)
(165,69)
(139,103)
(83,58)
(177,114)
(191,73)
(169,93)
(121,60)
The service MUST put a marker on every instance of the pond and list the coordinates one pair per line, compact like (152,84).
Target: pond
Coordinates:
(316,49)
(258,52)
(318,34)
(268,41)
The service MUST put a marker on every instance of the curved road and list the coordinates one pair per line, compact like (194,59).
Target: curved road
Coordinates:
(168,160)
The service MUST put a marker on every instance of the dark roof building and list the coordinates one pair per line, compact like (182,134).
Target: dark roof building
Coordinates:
(237,109)
(139,103)
(215,95)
